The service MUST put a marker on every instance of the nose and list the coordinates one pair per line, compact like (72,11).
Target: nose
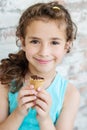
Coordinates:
(44,50)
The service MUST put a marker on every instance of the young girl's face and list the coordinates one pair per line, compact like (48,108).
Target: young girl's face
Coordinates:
(44,45)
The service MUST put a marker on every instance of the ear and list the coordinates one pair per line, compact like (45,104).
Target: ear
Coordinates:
(68,46)
(22,43)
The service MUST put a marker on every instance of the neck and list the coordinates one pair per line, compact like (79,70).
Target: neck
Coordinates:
(46,75)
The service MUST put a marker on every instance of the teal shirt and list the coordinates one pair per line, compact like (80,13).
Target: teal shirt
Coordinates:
(57,91)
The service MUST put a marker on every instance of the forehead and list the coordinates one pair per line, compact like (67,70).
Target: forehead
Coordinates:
(46,29)
(47,23)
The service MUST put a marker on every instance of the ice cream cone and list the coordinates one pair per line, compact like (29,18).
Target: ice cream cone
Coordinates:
(36,81)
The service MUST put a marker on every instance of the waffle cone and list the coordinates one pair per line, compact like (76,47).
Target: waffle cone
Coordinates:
(37,83)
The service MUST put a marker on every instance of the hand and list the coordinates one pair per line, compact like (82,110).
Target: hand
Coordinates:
(43,104)
(26,98)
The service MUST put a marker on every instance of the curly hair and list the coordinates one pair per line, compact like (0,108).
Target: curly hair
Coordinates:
(16,65)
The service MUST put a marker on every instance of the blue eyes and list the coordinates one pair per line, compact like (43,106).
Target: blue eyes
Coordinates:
(37,42)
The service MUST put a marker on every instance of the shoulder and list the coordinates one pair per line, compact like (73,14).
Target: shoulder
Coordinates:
(4,89)
(72,95)
(69,109)
(3,102)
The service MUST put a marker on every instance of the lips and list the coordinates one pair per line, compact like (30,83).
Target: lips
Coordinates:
(41,61)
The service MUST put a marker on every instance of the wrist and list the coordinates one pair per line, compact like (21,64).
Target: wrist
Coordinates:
(45,120)
(47,124)
(19,113)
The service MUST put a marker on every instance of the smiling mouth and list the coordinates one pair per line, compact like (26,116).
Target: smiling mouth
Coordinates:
(41,61)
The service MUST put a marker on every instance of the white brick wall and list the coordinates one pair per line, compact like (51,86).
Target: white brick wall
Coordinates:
(74,65)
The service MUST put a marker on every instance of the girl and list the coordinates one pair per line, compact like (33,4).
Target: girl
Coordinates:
(46,32)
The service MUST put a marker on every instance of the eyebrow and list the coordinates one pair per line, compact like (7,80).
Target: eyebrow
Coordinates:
(54,38)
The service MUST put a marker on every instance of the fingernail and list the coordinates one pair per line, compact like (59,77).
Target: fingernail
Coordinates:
(39,89)
(35,97)
(31,86)
(35,93)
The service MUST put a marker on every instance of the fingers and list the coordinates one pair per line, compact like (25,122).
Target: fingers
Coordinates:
(40,99)
(41,104)
(25,91)
(27,106)
(40,111)
(26,98)
(43,101)
(44,96)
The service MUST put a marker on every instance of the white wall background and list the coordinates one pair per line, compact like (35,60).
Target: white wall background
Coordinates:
(74,66)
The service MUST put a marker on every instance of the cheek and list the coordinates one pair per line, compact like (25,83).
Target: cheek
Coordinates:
(59,54)
(29,53)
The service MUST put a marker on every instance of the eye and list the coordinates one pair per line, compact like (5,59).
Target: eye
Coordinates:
(34,41)
(55,43)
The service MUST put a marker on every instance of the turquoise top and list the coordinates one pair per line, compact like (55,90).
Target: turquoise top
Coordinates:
(57,91)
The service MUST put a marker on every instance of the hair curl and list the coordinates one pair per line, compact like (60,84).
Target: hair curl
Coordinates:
(13,68)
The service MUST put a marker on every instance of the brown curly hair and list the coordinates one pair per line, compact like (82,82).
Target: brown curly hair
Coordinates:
(16,65)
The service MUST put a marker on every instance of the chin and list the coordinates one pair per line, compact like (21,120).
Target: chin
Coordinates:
(45,70)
